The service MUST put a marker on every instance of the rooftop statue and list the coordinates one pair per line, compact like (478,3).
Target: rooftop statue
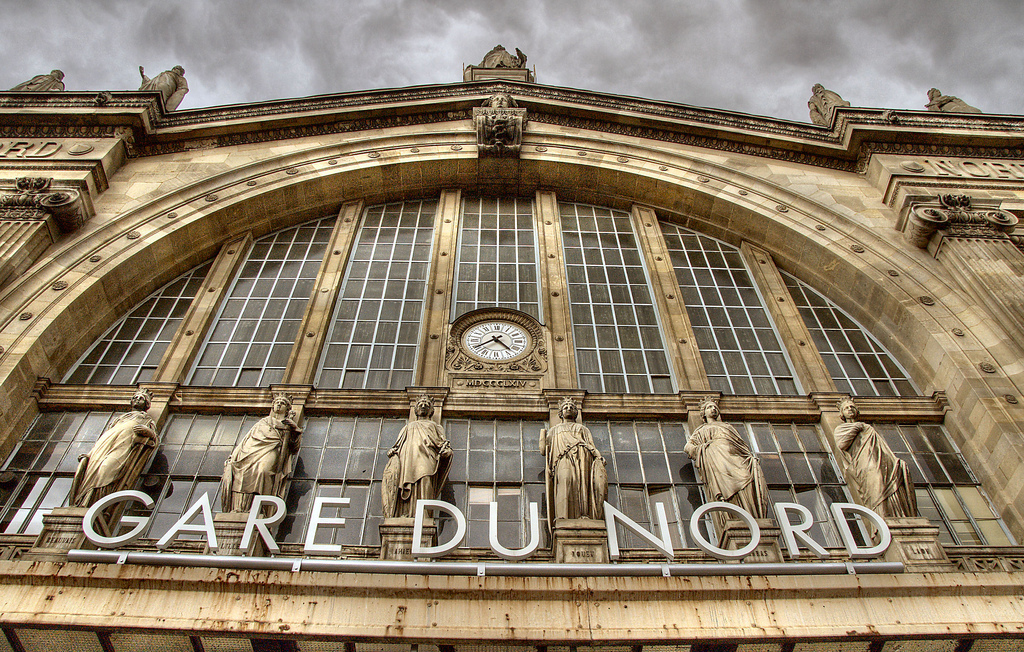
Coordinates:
(883,478)
(947,103)
(823,103)
(52,82)
(119,456)
(726,464)
(577,478)
(171,84)
(418,463)
(262,462)
(499,57)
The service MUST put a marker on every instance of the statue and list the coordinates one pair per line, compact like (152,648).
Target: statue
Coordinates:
(499,57)
(726,464)
(418,463)
(883,479)
(577,478)
(947,103)
(51,82)
(823,103)
(262,461)
(119,456)
(171,84)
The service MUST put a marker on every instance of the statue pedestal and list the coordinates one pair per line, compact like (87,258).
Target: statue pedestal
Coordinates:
(915,542)
(229,528)
(736,535)
(62,531)
(580,541)
(396,537)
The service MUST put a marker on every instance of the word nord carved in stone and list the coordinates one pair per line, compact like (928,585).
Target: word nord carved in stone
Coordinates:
(793,534)
(29,149)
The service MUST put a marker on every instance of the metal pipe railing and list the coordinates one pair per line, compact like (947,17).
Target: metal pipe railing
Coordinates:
(481,569)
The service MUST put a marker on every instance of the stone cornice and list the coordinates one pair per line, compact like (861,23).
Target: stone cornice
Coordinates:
(855,134)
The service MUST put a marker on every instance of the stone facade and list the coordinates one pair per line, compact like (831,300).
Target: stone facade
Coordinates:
(837,207)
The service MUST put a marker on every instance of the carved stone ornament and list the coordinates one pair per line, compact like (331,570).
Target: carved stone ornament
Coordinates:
(496,340)
(418,463)
(823,104)
(33,198)
(576,475)
(499,63)
(956,215)
(499,126)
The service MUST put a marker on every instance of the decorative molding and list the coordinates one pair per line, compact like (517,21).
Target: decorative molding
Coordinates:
(33,198)
(499,126)
(956,216)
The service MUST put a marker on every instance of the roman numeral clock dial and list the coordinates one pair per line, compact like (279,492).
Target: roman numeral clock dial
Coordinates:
(496,340)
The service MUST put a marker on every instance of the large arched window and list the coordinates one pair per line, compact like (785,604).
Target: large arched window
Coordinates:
(374,342)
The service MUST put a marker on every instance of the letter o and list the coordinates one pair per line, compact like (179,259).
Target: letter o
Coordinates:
(712,549)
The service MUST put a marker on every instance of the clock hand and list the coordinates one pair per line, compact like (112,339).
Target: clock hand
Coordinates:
(495,338)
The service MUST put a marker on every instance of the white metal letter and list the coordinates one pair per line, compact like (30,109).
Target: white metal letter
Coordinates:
(793,531)
(884,536)
(664,544)
(255,521)
(140,522)
(506,553)
(712,549)
(182,525)
(315,520)
(418,549)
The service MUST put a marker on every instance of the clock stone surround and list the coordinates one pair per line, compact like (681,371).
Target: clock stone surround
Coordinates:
(496,348)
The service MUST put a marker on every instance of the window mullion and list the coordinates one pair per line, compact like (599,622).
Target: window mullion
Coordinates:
(316,321)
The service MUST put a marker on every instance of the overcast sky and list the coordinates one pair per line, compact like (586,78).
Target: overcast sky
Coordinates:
(750,56)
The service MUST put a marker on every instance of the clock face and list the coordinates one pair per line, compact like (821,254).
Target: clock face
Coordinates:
(496,340)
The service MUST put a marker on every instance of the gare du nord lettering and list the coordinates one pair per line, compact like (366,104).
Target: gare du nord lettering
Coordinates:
(254,477)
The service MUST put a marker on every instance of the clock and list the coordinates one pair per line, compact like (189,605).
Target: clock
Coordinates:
(496,340)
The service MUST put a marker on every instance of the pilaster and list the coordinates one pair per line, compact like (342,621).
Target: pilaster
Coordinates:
(437,303)
(680,343)
(554,291)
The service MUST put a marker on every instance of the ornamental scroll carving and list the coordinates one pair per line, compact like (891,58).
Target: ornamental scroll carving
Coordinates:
(534,359)
(957,216)
(33,198)
(499,126)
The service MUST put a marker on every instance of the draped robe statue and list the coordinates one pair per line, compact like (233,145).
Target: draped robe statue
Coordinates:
(823,103)
(884,479)
(119,456)
(577,478)
(418,464)
(262,462)
(727,466)
(170,83)
(52,82)
(948,103)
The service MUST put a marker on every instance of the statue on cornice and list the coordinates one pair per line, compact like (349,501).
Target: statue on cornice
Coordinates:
(170,83)
(823,103)
(119,456)
(884,479)
(948,103)
(262,462)
(499,57)
(418,463)
(730,471)
(577,477)
(52,82)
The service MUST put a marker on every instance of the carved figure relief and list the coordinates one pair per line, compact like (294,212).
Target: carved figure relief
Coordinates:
(170,83)
(119,456)
(823,103)
(884,480)
(53,82)
(576,473)
(727,466)
(262,462)
(499,126)
(418,463)
(948,103)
